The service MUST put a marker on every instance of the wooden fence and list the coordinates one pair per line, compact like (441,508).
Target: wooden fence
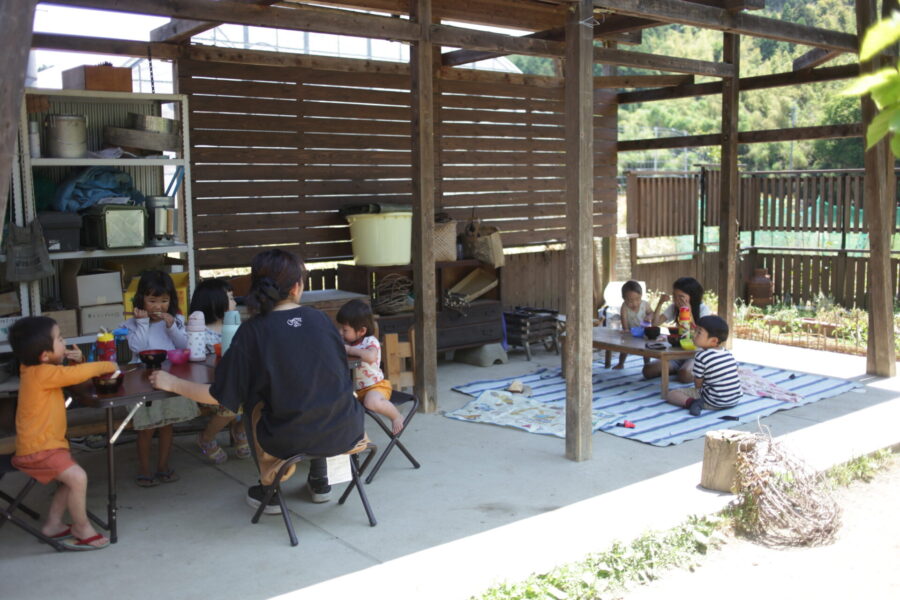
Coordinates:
(278,150)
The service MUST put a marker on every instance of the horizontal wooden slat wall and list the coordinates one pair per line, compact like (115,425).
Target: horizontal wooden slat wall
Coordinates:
(277,151)
(502,156)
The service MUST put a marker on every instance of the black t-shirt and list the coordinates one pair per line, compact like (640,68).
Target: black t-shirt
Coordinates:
(294,362)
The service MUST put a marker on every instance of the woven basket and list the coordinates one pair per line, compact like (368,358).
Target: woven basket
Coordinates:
(445,241)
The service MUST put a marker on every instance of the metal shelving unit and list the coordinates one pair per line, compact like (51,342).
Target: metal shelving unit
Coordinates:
(102,109)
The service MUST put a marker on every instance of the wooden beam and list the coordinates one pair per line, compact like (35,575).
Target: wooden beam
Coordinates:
(615,28)
(298,17)
(758,82)
(472,39)
(182,30)
(733,5)
(579,103)
(291,59)
(614,56)
(746,137)
(814,58)
(92,45)
(710,17)
(638,81)
(16,22)
(422,62)
(729,183)
(880,197)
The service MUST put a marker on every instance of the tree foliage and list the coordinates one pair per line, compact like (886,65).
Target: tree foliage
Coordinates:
(776,108)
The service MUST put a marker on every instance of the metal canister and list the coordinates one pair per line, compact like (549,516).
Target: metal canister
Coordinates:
(161,210)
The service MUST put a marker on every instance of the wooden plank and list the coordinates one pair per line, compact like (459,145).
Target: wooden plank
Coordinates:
(297,17)
(422,97)
(639,81)
(97,45)
(730,182)
(644,60)
(814,58)
(710,17)
(181,30)
(290,59)
(880,203)
(746,137)
(579,246)
(16,20)
(757,82)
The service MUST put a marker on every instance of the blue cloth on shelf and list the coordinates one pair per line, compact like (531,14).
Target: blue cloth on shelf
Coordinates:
(88,187)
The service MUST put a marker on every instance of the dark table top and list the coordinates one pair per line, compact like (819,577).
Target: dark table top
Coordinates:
(136,384)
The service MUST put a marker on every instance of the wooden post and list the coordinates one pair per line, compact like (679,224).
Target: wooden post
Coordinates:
(16,22)
(729,184)
(579,226)
(879,199)
(421,67)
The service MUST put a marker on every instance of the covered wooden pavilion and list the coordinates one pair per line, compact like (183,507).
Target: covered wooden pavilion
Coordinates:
(540,152)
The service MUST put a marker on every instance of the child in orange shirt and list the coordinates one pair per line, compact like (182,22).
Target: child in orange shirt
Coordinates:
(42,450)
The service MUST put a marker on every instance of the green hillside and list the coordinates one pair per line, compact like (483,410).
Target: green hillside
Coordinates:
(800,106)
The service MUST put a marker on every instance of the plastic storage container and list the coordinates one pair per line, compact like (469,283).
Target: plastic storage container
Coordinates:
(382,239)
(62,230)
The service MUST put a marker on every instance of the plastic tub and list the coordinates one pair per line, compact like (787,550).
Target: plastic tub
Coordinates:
(382,239)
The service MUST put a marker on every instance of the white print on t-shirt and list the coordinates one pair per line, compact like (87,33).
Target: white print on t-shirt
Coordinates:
(295,322)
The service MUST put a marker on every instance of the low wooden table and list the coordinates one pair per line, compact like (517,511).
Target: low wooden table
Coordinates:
(135,388)
(619,340)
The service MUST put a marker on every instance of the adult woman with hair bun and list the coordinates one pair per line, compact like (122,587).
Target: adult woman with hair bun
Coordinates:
(288,368)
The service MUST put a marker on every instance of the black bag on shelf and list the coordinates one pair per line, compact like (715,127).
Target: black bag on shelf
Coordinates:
(27,258)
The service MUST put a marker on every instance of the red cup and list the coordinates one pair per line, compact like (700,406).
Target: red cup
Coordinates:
(218,349)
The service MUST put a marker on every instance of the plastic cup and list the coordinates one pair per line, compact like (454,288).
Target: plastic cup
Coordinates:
(218,349)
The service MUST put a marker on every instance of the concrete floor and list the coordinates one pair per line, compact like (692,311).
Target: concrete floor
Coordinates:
(488,503)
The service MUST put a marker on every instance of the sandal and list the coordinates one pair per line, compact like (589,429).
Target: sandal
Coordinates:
(240,444)
(146,481)
(169,476)
(212,451)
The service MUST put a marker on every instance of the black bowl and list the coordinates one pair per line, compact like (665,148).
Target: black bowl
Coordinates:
(152,358)
(107,384)
(651,333)
(674,340)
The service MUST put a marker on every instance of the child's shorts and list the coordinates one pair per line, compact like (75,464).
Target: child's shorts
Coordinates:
(383,386)
(46,465)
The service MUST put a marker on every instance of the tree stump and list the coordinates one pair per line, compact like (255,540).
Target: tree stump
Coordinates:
(720,459)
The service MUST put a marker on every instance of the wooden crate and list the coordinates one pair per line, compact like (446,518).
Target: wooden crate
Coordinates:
(97,77)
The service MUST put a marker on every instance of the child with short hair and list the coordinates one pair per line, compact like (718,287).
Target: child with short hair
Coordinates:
(214,297)
(717,384)
(42,450)
(156,325)
(371,388)
(634,312)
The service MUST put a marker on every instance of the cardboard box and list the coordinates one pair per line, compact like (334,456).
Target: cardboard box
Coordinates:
(130,267)
(67,321)
(181,281)
(9,303)
(5,324)
(97,77)
(92,318)
(90,289)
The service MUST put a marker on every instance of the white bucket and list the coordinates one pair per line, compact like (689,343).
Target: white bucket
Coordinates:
(67,136)
(382,239)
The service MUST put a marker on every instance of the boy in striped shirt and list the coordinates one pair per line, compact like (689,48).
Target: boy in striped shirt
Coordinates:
(717,384)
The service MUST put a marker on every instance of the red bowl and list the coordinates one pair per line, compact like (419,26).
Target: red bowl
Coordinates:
(179,356)
(152,358)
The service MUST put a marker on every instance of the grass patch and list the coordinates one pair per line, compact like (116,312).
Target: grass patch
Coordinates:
(603,575)
(861,468)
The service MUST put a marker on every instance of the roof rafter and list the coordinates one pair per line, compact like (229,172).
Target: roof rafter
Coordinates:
(710,17)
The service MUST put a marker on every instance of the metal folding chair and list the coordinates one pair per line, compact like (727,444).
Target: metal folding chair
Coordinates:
(397,399)
(14,504)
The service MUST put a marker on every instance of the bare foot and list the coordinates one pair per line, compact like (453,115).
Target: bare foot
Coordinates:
(397,425)
(619,366)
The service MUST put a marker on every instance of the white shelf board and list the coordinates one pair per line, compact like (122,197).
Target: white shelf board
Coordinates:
(107,162)
(146,250)
(94,95)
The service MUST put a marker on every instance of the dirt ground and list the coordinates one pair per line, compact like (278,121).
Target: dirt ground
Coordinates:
(861,564)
